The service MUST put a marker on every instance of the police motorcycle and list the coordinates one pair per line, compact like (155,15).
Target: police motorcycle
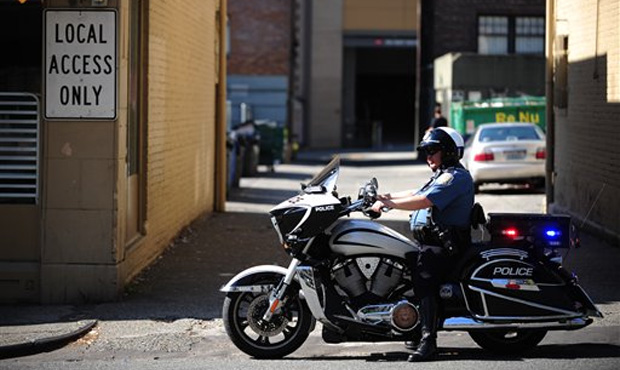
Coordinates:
(352,275)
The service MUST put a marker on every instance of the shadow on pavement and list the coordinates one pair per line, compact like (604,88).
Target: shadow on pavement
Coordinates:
(554,352)
(261,196)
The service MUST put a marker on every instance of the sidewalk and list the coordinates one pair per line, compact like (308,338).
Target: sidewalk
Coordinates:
(181,288)
(20,340)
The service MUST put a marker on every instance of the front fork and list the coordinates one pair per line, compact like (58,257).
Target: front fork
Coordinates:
(276,298)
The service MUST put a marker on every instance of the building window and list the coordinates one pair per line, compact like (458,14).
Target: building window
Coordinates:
(530,35)
(492,35)
(511,35)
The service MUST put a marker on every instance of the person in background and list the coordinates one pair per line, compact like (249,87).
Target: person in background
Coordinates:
(438,119)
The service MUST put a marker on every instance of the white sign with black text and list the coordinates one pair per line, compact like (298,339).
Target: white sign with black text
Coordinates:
(80,64)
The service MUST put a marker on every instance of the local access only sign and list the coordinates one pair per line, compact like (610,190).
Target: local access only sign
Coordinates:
(80,64)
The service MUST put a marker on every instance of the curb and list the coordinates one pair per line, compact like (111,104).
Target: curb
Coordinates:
(45,344)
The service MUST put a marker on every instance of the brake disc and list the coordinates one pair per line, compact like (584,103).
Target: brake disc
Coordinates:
(257,309)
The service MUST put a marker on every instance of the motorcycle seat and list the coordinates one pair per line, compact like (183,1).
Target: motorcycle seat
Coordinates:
(477,216)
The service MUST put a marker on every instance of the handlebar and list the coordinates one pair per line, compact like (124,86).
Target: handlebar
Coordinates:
(367,196)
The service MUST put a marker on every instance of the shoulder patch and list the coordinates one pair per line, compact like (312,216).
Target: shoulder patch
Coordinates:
(445,179)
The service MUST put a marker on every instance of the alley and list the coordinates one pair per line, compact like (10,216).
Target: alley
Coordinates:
(170,316)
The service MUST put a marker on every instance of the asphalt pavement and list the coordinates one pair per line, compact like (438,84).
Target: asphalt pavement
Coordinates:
(179,292)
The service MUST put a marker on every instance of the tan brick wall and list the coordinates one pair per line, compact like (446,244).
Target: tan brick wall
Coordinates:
(587,156)
(181,123)
(83,252)
(385,15)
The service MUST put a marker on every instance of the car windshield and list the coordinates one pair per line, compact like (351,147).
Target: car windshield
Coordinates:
(328,176)
(513,133)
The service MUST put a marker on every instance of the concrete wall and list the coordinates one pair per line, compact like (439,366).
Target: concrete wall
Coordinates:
(79,242)
(587,154)
(85,253)
(458,76)
(325,109)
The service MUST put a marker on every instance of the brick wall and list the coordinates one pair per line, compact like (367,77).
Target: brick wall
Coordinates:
(587,155)
(456,21)
(181,123)
(259,37)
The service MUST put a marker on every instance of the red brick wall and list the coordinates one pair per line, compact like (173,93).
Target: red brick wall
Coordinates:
(259,37)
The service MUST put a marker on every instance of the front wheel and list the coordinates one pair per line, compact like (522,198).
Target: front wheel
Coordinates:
(508,342)
(282,335)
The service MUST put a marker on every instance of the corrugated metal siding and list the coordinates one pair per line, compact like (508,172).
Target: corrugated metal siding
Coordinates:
(266,95)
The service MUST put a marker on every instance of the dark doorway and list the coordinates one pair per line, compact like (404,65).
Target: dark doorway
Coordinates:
(21,45)
(384,97)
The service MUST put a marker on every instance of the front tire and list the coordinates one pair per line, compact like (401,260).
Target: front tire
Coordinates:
(508,342)
(285,333)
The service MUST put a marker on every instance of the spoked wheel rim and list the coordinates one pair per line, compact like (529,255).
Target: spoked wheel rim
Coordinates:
(278,332)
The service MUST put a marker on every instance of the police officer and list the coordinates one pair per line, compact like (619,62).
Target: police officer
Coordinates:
(440,222)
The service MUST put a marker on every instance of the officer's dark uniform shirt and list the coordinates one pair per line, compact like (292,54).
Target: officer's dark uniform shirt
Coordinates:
(451,191)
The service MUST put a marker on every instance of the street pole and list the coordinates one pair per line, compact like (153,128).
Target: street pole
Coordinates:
(221,173)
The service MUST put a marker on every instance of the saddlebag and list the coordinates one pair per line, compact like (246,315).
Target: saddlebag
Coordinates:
(510,279)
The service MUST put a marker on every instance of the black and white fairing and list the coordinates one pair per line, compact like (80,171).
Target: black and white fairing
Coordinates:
(305,215)
(313,210)
(362,237)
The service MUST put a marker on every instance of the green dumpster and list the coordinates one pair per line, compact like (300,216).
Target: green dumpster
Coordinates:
(272,142)
(466,116)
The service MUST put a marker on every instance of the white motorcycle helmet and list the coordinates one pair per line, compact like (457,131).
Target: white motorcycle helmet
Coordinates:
(448,140)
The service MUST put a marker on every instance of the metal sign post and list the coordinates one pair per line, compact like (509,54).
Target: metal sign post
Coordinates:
(80,64)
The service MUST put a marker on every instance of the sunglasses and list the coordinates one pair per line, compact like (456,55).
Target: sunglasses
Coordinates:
(431,150)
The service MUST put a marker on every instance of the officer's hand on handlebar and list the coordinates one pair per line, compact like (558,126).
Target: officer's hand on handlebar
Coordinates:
(385,196)
(379,207)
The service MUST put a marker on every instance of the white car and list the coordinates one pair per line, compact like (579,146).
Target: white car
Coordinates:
(506,153)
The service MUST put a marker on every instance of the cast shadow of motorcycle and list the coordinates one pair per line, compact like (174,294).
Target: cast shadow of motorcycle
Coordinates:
(546,351)
(507,291)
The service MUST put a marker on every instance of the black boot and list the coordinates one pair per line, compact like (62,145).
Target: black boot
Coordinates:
(414,342)
(428,344)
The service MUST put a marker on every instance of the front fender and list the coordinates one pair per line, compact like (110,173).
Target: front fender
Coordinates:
(245,281)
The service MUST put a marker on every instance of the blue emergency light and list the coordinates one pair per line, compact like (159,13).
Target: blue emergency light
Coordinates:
(552,233)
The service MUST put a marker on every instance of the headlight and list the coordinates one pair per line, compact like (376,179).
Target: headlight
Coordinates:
(292,245)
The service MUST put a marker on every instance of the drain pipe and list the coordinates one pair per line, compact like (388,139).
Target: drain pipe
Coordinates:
(221,170)
(549,113)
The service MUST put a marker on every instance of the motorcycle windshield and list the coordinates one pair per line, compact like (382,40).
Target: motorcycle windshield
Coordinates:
(328,176)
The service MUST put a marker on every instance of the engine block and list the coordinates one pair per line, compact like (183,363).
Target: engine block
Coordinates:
(356,276)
